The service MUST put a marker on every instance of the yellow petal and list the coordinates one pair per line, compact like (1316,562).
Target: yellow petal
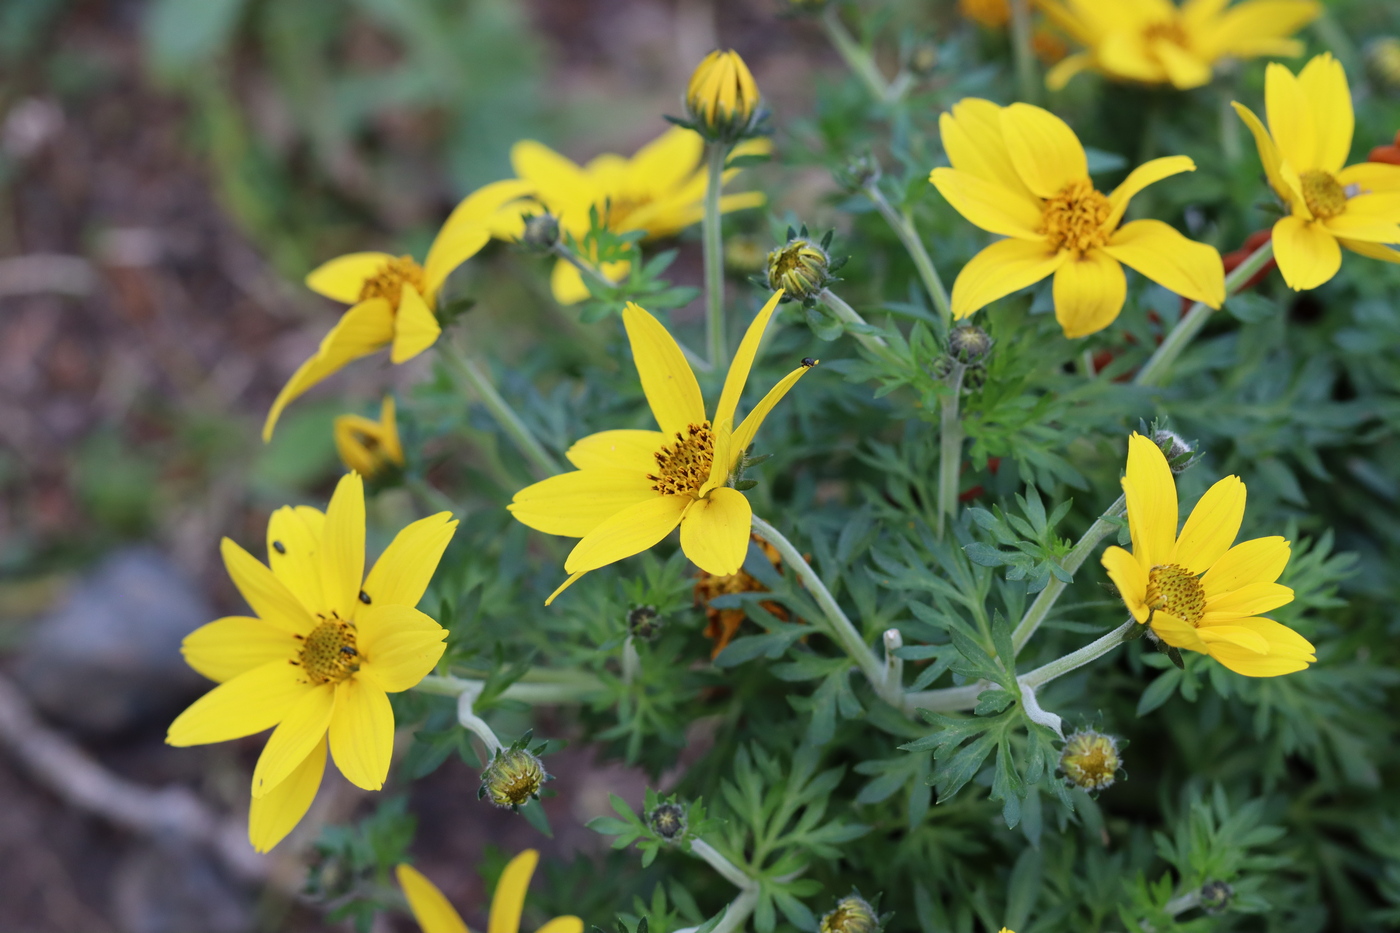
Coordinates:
(1240,636)
(1184,69)
(398,645)
(1290,119)
(738,373)
(567,285)
(362,733)
(277,812)
(1308,254)
(573,504)
(628,532)
(1212,526)
(269,598)
(407,565)
(491,207)
(1151,495)
(415,327)
(296,736)
(1004,267)
(667,379)
(668,160)
(1245,27)
(509,899)
(1176,632)
(450,250)
(234,645)
(1066,68)
(1249,600)
(1045,151)
(1089,292)
(559,182)
(342,278)
(1128,576)
(1371,177)
(1124,54)
(1148,173)
(362,330)
(1258,560)
(971,134)
(744,435)
(562,925)
(1282,178)
(1158,251)
(293,552)
(617,450)
(1356,224)
(1371,250)
(245,705)
(573,578)
(1287,651)
(343,547)
(432,911)
(715,531)
(988,205)
(1328,100)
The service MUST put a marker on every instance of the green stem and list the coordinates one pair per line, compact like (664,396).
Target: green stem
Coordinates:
(946,700)
(1154,370)
(950,447)
(546,693)
(1102,527)
(474,724)
(903,226)
(872,342)
(431,496)
(714,257)
(1077,659)
(1021,48)
(510,422)
(731,872)
(855,55)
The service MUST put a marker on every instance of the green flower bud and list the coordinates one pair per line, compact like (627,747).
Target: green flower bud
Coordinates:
(643,622)
(852,914)
(801,268)
(667,821)
(1090,760)
(513,778)
(541,232)
(969,343)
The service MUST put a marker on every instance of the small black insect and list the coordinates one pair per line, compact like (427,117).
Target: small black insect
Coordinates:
(346,649)
(364,597)
(808,362)
(279,547)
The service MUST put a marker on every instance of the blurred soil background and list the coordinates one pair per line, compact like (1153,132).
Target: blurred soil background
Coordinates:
(168,172)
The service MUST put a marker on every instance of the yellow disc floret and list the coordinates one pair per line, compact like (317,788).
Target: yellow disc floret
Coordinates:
(1074,218)
(683,467)
(388,282)
(328,654)
(1324,195)
(1174,589)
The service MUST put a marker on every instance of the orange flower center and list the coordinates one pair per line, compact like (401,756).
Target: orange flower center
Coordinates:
(1169,31)
(1323,194)
(683,467)
(1172,588)
(388,282)
(1074,218)
(328,654)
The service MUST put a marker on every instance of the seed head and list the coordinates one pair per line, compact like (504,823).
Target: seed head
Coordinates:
(852,914)
(668,821)
(1090,760)
(512,778)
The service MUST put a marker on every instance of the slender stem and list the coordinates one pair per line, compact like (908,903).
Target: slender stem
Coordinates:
(950,447)
(1101,528)
(714,257)
(534,693)
(735,914)
(947,699)
(894,664)
(510,422)
(1077,659)
(431,496)
(1154,370)
(857,58)
(631,661)
(843,311)
(903,226)
(474,723)
(731,872)
(1021,48)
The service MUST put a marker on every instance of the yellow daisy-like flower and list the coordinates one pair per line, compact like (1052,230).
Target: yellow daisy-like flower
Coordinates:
(1158,42)
(1020,171)
(1195,589)
(660,190)
(392,297)
(1303,151)
(369,447)
(319,655)
(435,915)
(632,488)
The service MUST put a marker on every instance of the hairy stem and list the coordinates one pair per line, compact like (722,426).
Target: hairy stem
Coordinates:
(950,447)
(1076,659)
(731,872)
(540,692)
(510,422)
(474,724)
(903,226)
(714,257)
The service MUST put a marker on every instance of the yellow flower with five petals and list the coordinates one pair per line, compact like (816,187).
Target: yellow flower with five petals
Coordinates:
(369,447)
(632,488)
(436,915)
(1198,590)
(320,654)
(1020,171)
(1304,150)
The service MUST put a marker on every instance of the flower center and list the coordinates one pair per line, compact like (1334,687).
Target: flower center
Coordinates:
(390,279)
(328,654)
(1324,195)
(1169,31)
(613,211)
(683,467)
(1074,218)
(1172,588)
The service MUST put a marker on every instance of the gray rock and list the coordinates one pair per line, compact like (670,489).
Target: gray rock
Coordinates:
(108,658)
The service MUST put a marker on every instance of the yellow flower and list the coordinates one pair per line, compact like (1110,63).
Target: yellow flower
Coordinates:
(1162,580)
(1020,171)
(994,14)
(435,915)
(1303,151)
(660,190)
(368,447)
(632,488)
(392,297)
(319,655)
(722,98)
(1158,42)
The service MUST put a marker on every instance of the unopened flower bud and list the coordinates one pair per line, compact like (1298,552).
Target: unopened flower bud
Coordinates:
(859,171)
(801,267)
(541,232)
(513,777)
(1090,760)
(969,343)
(1178,452)
(722,99)
(1383,58)
(667,821)
(1216,896)
(643,622)
(852,914)
(923,58)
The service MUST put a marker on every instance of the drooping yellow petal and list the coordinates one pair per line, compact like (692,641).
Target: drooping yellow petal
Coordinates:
(293,552)
(1323,84)
(744,435)
(617,450)
(628,532)
(1258,560)
(1290,119)
(399,646)
(1089,293)
(1160,252)
(562,925)
(1151,497)
(362,733)
(1286,650)
(573,578)
(276,813)
(432,911)
(234,645)
(1249,600)
(715,531)
(738,373)
(269,598)
(509,899)
(1211,527)
(407,565)
(245,705)
(1045,151)
(482,212)
(1128,576)
(667,380)
(343,547)
(574,504)
(1148,173)
(971,134)
(1176,632)
(1283,178)
(296,736)
(1004,267)
(415,327)
(988,205)
(343,277)
(1308,254)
